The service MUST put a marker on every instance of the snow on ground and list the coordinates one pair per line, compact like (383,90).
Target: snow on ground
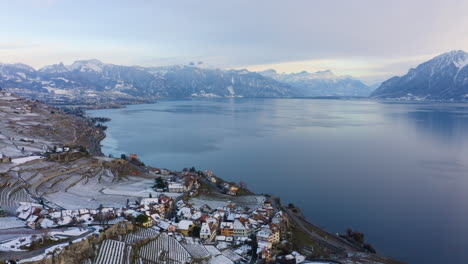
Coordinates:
(250,201)
(75,231)
(25,159)
(10,222)
(142,193)
(56,248)
(46,254)
(56,90)
(92,194)
(15,244)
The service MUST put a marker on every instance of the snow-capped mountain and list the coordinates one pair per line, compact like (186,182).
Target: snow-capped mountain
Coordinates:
(444,77)
(321,83)
(95,80)
(192,81)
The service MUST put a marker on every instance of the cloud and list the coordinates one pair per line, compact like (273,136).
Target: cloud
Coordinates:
(16,45)
(359,37)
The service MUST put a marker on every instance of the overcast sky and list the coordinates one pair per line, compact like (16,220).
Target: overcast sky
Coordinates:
(369,39)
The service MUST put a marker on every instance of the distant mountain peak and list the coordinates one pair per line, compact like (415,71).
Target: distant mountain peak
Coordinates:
(445,77)
(19,66)
(321,83)
(87,65)
(55,68)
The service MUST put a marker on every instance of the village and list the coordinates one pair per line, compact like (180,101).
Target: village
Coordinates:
(225,234)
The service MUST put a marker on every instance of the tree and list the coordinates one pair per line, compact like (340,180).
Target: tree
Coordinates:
(103,218)
(370,248)
(123,156)
(195,232)
(290,206)
(159,183)
(142,218)
(150,196)
(243,185)
(358,237)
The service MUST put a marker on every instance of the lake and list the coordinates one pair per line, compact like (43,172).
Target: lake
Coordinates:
(396,171)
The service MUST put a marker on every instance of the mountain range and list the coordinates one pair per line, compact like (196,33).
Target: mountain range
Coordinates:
(321,83)
(444,77)
(92,81)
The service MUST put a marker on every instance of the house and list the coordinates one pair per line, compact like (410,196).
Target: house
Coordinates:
(208,231)
(241,228)
(185,213)
(155,171)
(149,201)
(268,235)
(166,226)
(26,209)
(184,227)
(148,223)
(213,179)
(233,190)
(5,159)
(132,156)
(209,173)
(206,209)
(266,254)
(281,221)
(227,229)
(166,200)
(176,187)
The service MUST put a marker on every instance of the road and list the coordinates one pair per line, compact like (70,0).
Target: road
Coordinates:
(36,252)
(214,186)
(332,242)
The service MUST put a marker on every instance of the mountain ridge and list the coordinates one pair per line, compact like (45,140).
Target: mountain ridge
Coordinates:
(93,79)
(444,77)
(321,83)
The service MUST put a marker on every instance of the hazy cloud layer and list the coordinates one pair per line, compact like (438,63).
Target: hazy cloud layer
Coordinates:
(372,39)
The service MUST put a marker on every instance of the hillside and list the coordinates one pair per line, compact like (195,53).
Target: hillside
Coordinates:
(444,77)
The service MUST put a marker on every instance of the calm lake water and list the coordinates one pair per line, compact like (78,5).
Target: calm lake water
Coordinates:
(396,171)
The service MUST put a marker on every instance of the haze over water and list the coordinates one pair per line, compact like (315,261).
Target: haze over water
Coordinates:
(395,171)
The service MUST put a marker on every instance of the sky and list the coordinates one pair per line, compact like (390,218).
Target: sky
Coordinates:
(369,39)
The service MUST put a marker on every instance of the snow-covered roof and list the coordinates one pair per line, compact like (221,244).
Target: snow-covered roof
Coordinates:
(227,225)
(264,233)
(238,225)
(148,201)
(163,224)
(220,260)
(184,224)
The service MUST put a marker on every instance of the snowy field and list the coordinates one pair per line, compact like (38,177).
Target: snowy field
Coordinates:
(250,201)
(11,222)
(25,159)
(94,194)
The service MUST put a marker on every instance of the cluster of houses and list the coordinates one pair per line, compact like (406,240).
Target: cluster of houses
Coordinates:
(232,225)
(36,216)
(224,227)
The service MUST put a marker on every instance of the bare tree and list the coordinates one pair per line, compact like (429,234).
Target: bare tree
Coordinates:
(243,185)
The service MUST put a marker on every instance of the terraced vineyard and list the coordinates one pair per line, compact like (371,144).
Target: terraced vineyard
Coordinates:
(12,192)
(164,249)
(113,252)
